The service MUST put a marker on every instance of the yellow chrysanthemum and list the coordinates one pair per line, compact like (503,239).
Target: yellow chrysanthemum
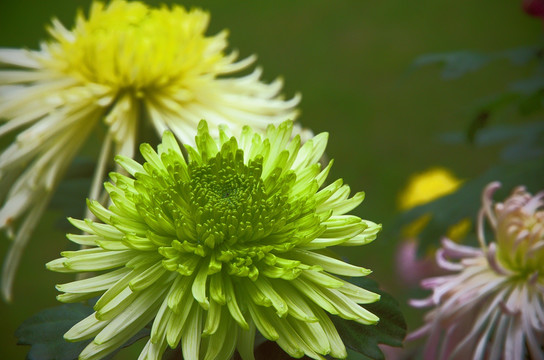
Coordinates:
(124,63)
(428,186)
(422,188)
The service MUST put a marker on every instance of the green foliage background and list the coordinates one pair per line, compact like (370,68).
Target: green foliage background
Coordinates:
(351,62)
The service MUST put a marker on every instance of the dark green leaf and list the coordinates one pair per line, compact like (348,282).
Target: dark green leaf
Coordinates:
(476,125)
(364,339)
(520,141)
(523,55)
(44,333)
(528,86)
(509,133)
(455,64)
(532,103)
(459,63)
(354,355)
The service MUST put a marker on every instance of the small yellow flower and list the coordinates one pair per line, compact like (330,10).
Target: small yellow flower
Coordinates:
(426,187)
(423,188)
(123,64)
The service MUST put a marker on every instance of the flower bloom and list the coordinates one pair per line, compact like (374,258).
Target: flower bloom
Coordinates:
(423,188)
(427,186)
(213,248)
(534,7)
(124,64)
(492,306)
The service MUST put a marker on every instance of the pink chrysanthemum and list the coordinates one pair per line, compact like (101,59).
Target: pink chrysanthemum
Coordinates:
(492,306)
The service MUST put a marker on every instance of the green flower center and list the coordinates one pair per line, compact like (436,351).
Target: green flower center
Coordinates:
(229,203)
(221,211)
(519,239)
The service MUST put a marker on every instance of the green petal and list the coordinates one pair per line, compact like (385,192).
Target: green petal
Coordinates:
(312,334)
(290,341)
(123,182)
(116,305)
(85,329)
(139,243)
(268,290)
(96,283)
(148,277)
(152,158)
(279,136)
(262,320)
(256,295)
(367,236)
(103,260)
(232,304)
(158,329)
(296,302)
(328,263)
(338,350)
(245,343)
(169,144)
(179,320)
(199,285)
(178,292)
(190,344)
(136,316)
(121,205)
(315,294)
(345,205)
(131,166)
(322,279)
(217,290)
(75,297)
(320,179)
(105,231)
(86,240)
(81,225)
(205,143)
(213,318)
(357,294)
(221,344)
(153,351)
(348,309)
(343,226)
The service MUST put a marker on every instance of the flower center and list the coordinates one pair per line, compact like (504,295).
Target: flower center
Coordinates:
(128,45)
(520,238)
(220,212)
(229,202)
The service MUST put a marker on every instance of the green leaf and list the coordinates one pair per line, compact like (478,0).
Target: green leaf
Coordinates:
(455,64)
(522,55)
(459,63)
(44,333)
(520,141)
(364,339)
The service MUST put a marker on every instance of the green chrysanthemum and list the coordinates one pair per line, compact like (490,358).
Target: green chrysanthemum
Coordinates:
(213,248)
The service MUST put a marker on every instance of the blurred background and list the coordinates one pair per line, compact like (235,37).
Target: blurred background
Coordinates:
(352,63)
